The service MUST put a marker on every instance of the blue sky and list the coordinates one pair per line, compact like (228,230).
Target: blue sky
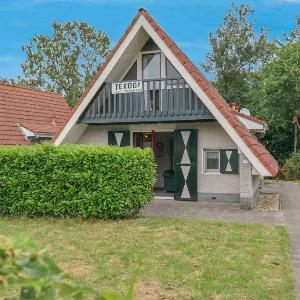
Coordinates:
(187,22)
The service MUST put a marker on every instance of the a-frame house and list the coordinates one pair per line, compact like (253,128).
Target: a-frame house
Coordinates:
(149,94)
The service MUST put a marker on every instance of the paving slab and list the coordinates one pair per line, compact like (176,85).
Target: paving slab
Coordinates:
(290,196)
(210,211)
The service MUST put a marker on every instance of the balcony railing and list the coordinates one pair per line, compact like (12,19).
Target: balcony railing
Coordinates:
(160,100)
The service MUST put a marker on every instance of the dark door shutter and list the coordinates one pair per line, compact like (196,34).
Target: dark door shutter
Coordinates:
(185,150)
(119,138)
(229,161)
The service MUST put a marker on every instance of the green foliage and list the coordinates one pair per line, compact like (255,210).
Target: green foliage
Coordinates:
(237,51)
(66,61)
(28,273)
(292,167)
(276,98)
(75,181)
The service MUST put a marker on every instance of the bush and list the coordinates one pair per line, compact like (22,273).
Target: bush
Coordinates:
(29,273)
(75,181)
(292,167)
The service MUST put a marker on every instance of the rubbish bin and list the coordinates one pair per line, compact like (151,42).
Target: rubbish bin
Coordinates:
(169,181)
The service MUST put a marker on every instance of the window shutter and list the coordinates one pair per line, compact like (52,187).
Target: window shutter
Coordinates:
(119,138)
(229,161)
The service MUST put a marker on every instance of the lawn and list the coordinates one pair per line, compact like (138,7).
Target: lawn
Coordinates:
(180,259)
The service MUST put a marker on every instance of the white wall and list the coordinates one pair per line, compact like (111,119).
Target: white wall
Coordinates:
(94,135)
(210,136)
(213,136)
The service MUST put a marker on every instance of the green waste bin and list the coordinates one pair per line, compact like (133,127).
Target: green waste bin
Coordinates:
(169,181)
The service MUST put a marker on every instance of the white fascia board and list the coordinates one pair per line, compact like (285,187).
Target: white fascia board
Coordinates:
(72,121)
(200,93)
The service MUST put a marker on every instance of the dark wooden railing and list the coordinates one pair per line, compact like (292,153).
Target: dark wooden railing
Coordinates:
(160,100)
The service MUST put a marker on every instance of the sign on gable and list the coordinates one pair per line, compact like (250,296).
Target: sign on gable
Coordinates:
(127,87)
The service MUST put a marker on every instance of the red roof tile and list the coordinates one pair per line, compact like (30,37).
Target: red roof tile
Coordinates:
(257,148)
(38,111)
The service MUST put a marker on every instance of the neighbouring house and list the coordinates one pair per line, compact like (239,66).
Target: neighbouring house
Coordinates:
(29,116)
(149,94)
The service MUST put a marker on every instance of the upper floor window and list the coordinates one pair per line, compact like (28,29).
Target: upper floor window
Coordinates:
(132,73)
(171,72)
(151,66)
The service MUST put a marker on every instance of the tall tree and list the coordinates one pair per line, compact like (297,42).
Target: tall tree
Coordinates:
(277,99)
(66,61)
(237,51)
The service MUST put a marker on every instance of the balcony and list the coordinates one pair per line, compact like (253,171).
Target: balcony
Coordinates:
(159,100)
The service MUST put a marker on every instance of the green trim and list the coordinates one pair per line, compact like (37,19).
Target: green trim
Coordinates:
(125,141)
(191,180)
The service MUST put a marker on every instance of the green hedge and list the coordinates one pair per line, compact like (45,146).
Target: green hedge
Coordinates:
(292,167)
(75,181)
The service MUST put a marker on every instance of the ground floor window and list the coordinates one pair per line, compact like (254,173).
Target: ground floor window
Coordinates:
(212,161)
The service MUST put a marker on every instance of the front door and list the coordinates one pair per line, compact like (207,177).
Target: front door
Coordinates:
(185,146)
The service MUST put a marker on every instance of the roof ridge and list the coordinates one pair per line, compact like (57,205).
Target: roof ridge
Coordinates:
(28,88)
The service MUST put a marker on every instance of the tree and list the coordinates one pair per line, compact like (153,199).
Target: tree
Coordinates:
(66,61)
(278,100)
(237,51)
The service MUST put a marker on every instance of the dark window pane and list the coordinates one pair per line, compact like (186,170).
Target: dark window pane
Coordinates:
(212,160)
(150,46)
(151,66)
(171,71)
(132,73)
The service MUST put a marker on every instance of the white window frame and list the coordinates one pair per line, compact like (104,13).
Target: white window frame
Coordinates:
(204,156)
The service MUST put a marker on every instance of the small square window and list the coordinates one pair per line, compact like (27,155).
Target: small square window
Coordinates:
(212,160)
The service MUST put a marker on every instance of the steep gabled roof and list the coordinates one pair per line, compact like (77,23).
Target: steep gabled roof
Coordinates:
(252,148)
(34,110)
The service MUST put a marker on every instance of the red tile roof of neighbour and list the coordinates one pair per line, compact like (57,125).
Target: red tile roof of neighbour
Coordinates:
(38,111)
(255,146)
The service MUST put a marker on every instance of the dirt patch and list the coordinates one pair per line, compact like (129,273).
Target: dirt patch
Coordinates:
(77,268)
(268,202)
(153,291)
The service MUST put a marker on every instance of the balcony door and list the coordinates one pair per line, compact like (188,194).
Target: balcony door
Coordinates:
(151,70)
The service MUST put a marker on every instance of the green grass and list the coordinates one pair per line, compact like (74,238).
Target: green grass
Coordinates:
(180,259)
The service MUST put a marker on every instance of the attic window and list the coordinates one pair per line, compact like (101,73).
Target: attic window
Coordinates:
(150,46)
(132,73)
(171,72)
(151,66)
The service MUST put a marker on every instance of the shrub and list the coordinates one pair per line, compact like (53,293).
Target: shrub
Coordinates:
(292,167)
(75,180)
(29,273)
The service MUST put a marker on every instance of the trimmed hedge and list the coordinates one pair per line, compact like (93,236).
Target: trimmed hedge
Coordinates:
(292,167)
(75,181)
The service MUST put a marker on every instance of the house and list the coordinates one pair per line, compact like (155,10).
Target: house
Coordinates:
(28,116)
(149,94)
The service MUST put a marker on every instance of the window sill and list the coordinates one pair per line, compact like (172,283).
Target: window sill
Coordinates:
(211,173)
